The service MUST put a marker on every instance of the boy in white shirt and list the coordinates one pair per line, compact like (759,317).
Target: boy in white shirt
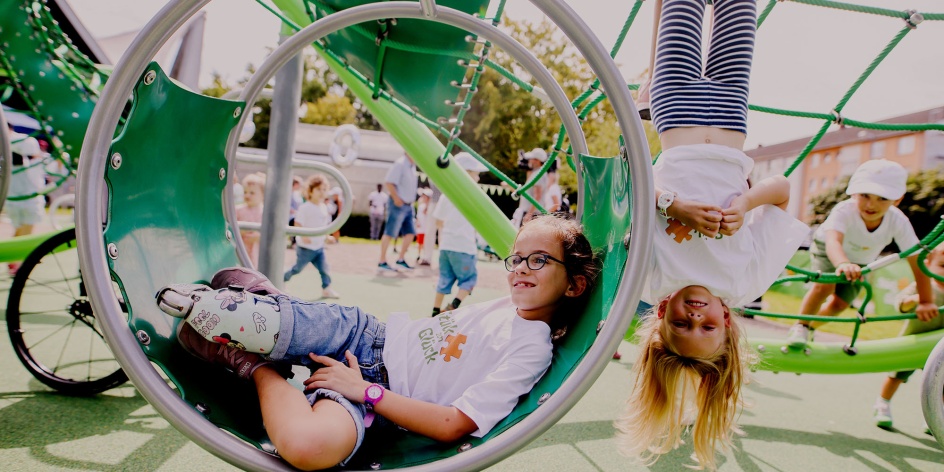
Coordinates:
(457,248)
(27,178)
(852,236)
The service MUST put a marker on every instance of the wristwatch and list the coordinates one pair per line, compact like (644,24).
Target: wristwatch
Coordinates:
(666,199)
(372,396)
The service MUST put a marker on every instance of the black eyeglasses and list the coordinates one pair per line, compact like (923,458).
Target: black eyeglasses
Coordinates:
(535,261)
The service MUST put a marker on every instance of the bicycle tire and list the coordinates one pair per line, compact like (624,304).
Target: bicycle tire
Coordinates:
(81,364)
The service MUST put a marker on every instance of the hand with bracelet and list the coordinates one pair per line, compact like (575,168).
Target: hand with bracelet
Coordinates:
(702,217)
(850,270)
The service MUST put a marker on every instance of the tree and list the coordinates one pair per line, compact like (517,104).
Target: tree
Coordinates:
(923,202)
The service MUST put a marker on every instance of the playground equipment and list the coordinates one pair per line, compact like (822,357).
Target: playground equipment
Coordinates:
(187,222)
(194,229)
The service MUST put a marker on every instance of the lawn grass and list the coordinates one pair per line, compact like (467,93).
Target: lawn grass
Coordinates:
(785,304)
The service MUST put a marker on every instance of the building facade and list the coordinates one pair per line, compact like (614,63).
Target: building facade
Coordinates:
(839,153)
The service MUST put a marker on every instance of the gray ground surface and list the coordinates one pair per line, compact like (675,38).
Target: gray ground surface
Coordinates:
(795,423)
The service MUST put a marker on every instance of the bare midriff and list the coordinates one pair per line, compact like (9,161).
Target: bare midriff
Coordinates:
(701,135)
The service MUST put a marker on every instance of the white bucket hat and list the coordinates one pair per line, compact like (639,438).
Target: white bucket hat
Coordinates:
(881,177)
(469,163)
(536,153)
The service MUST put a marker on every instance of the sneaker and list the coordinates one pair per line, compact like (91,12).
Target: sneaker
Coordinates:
(402,263)
(424,263)
(328,292)
(177,300)
(13,267)
(799,336)
(251,280)
(617,356)
(240,362)
(883,414)
(384,266)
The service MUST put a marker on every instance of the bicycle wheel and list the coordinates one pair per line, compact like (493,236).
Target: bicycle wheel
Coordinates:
(51,324)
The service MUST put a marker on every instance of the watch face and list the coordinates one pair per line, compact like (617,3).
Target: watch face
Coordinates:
(374,392)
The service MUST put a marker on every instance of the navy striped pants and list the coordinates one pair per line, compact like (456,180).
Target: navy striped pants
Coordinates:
(685,92)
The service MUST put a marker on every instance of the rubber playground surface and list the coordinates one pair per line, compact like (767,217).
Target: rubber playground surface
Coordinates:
(795,423)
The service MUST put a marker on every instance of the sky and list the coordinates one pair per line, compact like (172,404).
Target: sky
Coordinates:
(806,57)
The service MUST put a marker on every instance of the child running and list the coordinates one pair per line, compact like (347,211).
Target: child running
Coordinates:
(907,301)
(853,235)
(410,373)
(719,243)
(251,211)
(313,214)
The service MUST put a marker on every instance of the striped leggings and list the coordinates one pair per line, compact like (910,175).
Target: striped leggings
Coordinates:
(684,92)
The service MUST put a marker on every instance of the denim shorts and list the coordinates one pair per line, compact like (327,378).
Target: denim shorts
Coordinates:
(329,329)
(399,220)
(456,267)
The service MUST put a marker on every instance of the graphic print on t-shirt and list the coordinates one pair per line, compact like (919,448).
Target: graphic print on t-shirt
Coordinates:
(444,343)
(682,233)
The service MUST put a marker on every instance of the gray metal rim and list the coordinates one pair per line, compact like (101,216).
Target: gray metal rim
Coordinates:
(932,391)
(188,421)
(346,192)
(6,159)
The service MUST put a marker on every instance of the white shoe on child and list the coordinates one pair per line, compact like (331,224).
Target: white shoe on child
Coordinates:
(799,336)
(883,414)
(328,292)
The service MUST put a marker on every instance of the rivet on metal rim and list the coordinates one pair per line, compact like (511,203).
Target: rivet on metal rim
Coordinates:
(222,174)
(376,466)
(202,408)
(238,111)
(544,397)
(600,325)
(229,235)
(112,250)
(149,77)
(143,337)
(464,447)
(115,160)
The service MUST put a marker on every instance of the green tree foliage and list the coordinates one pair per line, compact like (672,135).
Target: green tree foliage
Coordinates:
(923,202)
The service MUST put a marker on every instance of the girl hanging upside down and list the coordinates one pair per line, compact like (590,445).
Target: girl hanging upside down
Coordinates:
(720,243)
(445,377)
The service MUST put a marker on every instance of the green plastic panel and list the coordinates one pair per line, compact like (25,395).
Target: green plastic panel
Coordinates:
(16,249)
(165,220)
(62,103)
(419,79)
(606,221)
(882,355)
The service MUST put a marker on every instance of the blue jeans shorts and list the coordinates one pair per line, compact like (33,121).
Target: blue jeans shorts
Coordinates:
(399,220)
(329,329)
(456,267)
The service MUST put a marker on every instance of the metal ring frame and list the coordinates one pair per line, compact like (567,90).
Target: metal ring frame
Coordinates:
(93,259)
(932,391)
(6,159)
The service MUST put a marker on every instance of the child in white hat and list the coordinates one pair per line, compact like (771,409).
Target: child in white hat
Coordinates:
(853,235)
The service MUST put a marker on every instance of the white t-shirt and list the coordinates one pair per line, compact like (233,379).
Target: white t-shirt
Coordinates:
(421,213)
(28,181)
(540,184)
(378,202)
(861,245)
(552,192)
(457,234)
(738,268)
(311,215)
(479,358)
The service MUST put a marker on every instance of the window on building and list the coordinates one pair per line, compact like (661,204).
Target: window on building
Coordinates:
(815,161)
(827,157)
(825,183)
(906,145)
(812,185)
(878,150)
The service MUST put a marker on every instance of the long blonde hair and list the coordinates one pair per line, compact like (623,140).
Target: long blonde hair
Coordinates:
(666,382)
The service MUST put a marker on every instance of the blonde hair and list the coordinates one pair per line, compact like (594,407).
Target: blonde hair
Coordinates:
(666,382)
(256,178)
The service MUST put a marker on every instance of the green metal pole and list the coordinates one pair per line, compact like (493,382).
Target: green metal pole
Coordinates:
(421,144)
